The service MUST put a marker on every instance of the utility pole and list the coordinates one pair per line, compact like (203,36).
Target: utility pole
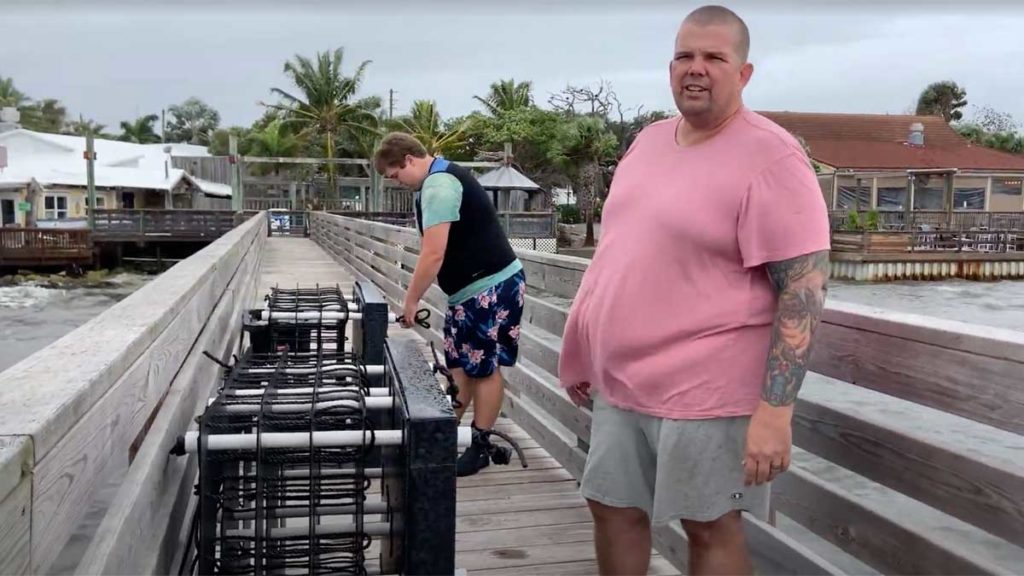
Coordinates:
(90,178)
(163,125)
(236,188)
(391,103)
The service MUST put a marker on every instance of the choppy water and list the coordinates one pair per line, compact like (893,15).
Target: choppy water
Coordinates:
(33,317)
(998,304)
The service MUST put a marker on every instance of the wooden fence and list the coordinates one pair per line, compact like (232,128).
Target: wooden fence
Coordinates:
(44,246)
(168,225)
(908,432)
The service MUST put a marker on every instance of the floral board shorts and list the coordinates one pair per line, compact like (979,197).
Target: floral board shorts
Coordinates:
(482,333)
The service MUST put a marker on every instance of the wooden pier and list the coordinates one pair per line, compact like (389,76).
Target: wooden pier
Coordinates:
(908,432)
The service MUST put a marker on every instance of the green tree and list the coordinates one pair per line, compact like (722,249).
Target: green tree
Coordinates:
(83,127)
(944,98)
(273,141)
(1005,141)
(580,147)
(140,130)
(425,124)
(531,131)
(507,95)
(220,143)
(11,96)
(192,121)
(324,107)
(44,116)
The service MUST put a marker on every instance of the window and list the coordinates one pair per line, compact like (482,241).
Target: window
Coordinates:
(1007,194)
(929,191)
(56,207)
(969,199)
(1008,186)
(892,198)
(101,202)
(853,193)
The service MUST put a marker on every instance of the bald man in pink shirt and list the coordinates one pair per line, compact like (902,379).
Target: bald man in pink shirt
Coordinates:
(693,325)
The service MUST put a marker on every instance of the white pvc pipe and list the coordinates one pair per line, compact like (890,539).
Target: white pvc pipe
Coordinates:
(322,389)
(326,439)
(303,511)
(334,473)
(325,529)
(371,369)
(373,403)
(352,307)
(307,316)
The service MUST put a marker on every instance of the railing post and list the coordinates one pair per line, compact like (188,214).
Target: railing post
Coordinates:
(90,179)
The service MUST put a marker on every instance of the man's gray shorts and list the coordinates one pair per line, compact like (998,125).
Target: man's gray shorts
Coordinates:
(671,469)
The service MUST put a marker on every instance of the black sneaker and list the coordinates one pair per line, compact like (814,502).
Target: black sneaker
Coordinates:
(474,459)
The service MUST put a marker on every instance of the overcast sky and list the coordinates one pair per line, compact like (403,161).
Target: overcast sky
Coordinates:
(115,61)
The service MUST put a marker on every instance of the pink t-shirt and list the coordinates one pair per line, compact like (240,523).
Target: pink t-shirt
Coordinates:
(673,317)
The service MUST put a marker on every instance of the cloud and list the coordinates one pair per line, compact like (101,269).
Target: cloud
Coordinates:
(113,61)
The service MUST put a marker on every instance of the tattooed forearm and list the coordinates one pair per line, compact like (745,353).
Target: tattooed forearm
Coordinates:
(800,284)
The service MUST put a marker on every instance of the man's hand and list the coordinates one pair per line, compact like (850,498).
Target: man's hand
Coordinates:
(579,393)
(769,443)
(408,314)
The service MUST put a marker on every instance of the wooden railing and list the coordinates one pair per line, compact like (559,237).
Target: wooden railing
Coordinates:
(267,203)
(515,224)
(914,469)
(164,224)
(44,246)
(100,408)
(931,219)
(929,241)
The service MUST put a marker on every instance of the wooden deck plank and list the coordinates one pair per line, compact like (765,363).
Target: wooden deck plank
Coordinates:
(528,536)
(659,566)
(529,518)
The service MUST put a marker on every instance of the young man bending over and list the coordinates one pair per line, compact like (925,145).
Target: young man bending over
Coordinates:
(464,247)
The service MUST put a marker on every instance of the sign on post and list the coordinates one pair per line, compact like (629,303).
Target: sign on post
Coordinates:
(24,207)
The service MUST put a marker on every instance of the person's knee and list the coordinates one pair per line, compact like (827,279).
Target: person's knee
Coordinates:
(721,530)
(626,518)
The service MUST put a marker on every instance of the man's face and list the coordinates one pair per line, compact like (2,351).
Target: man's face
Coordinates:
(407,174)
(707,75)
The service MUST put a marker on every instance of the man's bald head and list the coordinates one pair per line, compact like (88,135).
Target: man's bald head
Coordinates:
(720,15)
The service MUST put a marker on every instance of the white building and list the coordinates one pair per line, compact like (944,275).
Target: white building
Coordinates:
(127,175)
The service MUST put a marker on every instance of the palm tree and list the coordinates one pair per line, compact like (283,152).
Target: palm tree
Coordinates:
(11,96)
(506,95)
(324,107)
(942,99)
(580,147)
(82,127)
(425,124)
(273,141)
(140,130)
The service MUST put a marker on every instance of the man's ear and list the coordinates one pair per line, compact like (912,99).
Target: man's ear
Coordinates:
(746,72)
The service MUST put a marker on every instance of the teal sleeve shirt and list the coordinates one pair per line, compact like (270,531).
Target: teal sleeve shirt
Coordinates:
(440,199)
